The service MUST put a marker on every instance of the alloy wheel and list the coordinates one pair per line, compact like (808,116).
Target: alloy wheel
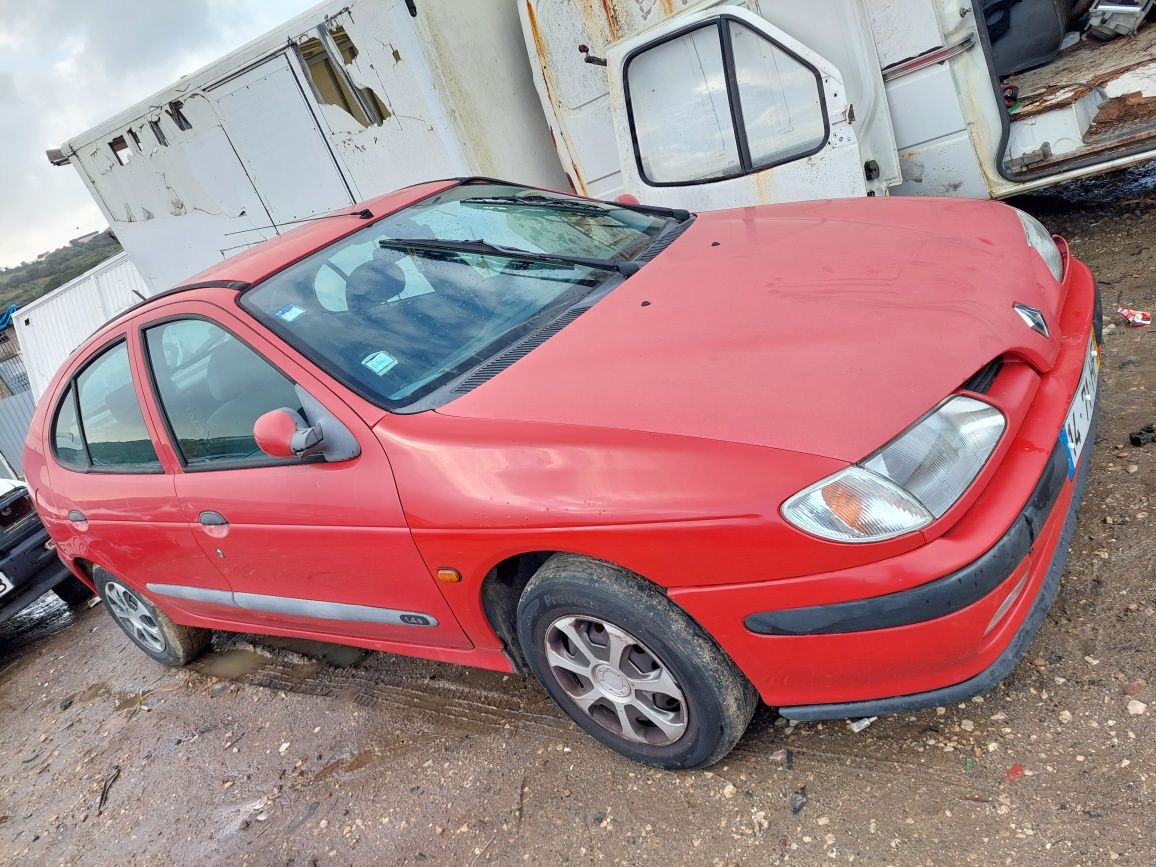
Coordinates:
(132,614)
(616,680)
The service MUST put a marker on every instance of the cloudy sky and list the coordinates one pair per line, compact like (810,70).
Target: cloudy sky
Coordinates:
(66,65)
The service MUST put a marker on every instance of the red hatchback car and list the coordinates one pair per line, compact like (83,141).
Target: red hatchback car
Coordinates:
(825,454)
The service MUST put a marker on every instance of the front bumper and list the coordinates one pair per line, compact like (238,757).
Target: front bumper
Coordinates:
(948,618)
(1048,567)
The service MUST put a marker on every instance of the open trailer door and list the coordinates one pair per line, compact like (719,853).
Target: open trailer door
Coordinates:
(720,108)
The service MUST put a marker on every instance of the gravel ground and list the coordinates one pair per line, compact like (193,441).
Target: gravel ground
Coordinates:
(280,752)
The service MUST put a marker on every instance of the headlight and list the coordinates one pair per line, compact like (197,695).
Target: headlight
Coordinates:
(908,483)
(1040,240)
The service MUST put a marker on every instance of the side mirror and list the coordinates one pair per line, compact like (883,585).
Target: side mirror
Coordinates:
(628,199)
(281,434)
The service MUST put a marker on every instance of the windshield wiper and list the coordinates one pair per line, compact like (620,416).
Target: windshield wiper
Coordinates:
(535,201)
(485,248)
(576,206)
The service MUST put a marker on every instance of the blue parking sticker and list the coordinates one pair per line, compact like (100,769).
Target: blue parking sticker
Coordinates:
(289,312)
(379,362)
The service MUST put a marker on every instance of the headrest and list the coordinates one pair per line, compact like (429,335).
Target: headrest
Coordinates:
(379,279)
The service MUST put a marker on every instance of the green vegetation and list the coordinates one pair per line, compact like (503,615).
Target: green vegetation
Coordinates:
(29,280)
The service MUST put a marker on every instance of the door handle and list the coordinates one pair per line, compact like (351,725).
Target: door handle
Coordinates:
(214,524)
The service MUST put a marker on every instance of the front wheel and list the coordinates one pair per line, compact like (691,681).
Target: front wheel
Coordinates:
(147,626)
(630,667)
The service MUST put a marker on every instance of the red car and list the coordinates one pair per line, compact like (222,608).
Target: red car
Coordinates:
(825,454)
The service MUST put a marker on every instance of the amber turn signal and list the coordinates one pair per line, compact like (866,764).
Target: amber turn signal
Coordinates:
(450,576)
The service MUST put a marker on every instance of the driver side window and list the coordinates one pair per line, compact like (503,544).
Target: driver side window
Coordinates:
(212,388)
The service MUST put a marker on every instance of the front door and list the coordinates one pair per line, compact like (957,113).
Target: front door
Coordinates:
(316,548)
(719,108)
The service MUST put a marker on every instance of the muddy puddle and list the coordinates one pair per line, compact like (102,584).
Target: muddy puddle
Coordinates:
(465,700)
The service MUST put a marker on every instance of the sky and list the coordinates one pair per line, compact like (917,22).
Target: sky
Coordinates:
(66,65)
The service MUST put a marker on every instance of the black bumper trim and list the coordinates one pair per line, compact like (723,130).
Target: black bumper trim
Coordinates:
(1005,662)
(936,598)
(46,579)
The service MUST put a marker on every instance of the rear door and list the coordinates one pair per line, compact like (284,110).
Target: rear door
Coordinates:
(321,549)
(280,143)
(719,108)
(111,498)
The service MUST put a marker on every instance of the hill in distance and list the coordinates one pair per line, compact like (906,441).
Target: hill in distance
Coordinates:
(27,281)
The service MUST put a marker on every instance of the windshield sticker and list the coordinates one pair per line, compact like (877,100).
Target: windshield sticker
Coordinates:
(289,312)
(380,363)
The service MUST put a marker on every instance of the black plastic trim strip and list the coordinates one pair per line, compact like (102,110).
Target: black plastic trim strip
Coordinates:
(239,285)
(936,598)
(1004,663)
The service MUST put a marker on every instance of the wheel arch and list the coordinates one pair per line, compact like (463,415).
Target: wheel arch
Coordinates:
(503,585)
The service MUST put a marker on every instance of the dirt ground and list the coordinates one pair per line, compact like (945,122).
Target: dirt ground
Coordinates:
(276,752)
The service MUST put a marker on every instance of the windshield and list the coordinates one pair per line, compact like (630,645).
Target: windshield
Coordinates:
(395,323)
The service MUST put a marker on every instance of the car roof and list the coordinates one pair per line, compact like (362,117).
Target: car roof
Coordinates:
(268,257)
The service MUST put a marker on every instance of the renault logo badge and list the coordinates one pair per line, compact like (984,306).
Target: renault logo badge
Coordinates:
(1033,318)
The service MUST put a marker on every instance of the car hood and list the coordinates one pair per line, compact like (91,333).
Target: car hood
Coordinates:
(822,327)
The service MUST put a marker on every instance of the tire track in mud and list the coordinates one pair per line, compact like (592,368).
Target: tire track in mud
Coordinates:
(512,704)
(375,682)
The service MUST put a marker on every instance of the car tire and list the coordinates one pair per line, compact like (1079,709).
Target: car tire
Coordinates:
(147,626)
(596,636)
(73,592)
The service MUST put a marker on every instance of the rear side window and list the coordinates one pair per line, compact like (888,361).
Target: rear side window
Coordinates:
(66,439)
(111,422)
(212,389)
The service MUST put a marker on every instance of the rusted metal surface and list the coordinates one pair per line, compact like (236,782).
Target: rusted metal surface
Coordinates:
(1103,94)
(1085,66)
(1122,114)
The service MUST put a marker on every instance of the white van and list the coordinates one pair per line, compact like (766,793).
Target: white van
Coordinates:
(700,105)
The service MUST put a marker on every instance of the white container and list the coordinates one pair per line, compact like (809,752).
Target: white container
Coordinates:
(50,327)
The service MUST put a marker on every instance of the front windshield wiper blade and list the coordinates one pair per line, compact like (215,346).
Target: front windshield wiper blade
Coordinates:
(576,205)
(536,201)
(485,248)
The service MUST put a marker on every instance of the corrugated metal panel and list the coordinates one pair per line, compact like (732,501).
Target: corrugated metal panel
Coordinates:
(15,417)
(51,327)
(13,375)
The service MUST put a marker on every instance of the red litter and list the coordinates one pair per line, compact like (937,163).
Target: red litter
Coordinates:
(1135,318)
(1014,773)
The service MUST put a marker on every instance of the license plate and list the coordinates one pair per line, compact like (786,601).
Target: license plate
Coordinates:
(5,584)
(1074,433)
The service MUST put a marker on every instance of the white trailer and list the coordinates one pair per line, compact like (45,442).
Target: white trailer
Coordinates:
(696,103)
(50,327)
(337,105)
